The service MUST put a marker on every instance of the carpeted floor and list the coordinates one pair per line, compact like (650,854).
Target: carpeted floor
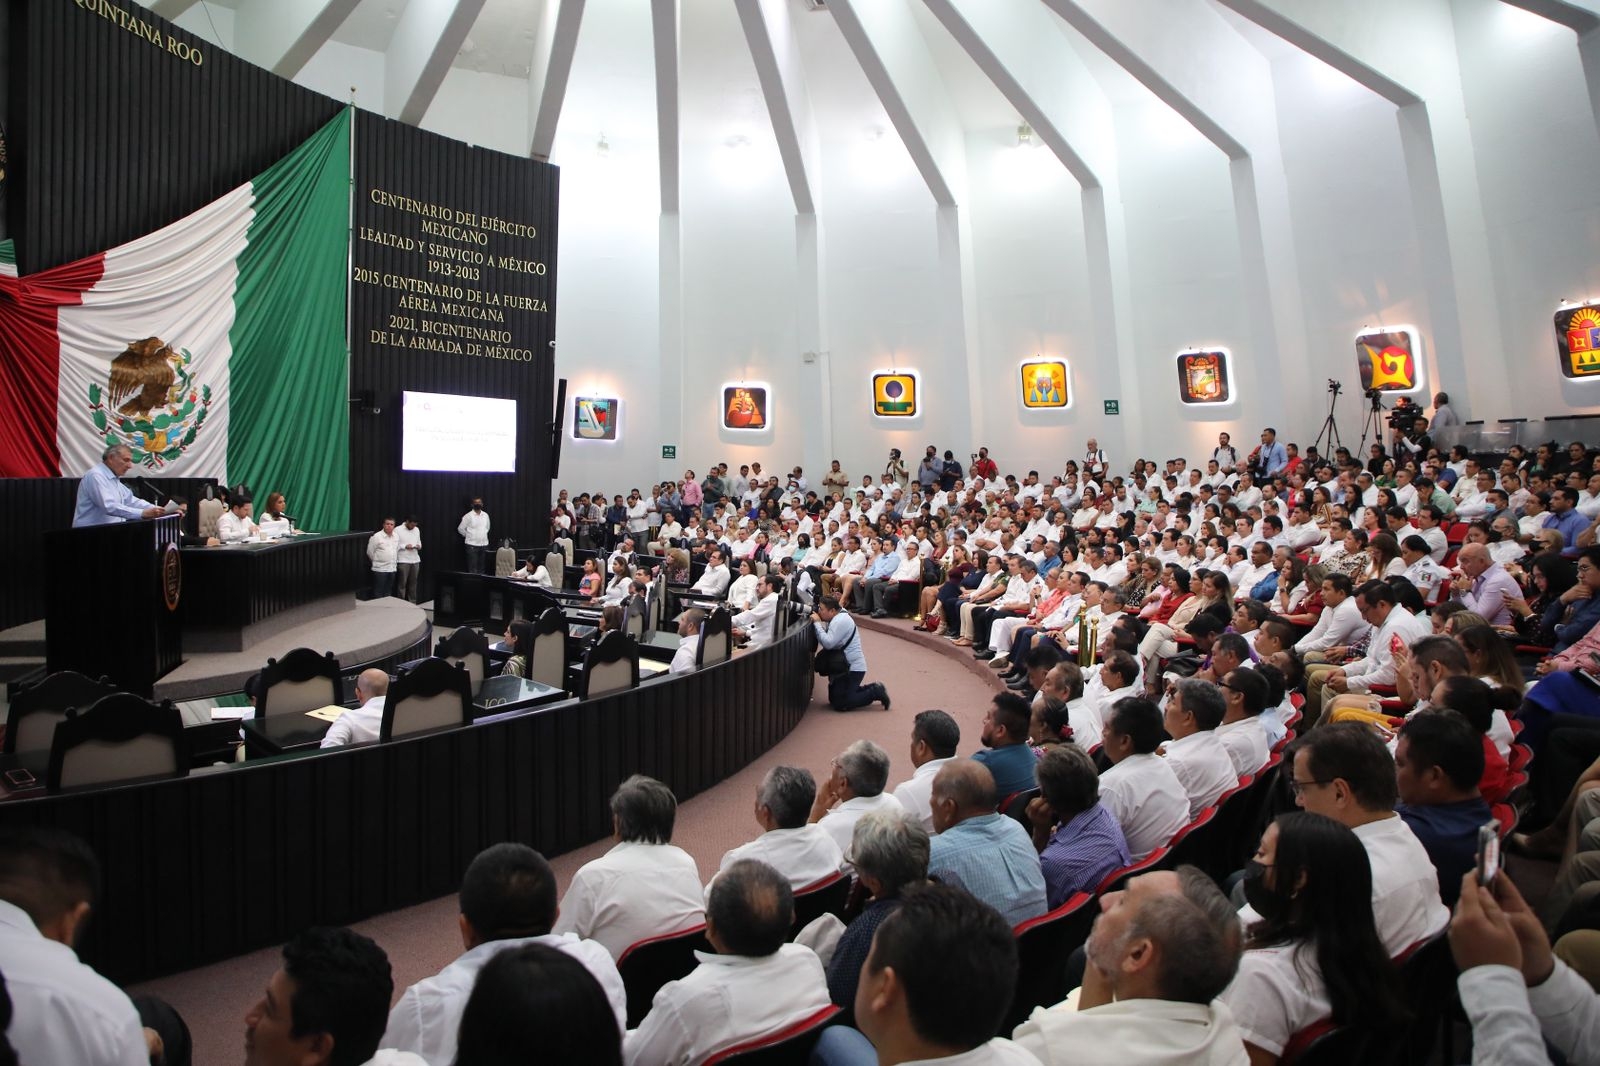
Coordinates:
(921,672)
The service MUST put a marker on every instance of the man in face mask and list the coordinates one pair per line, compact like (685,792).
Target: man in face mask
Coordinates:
(1160,953)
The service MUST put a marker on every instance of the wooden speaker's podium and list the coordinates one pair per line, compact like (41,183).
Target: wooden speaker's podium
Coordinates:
(115,601)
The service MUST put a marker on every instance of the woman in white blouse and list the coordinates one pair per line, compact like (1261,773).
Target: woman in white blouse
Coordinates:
(742,594)
(1311,948)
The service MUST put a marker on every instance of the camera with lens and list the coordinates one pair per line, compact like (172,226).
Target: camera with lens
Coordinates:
(1404,416)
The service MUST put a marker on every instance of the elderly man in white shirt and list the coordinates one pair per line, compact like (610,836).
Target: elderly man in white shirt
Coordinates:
(1122,1013)
(361,725)
(755,985)
(934,737)
(507,901)
(63,1012)
(643,886)
(801,851)
(1196,753)
(854,786)
(1141,790)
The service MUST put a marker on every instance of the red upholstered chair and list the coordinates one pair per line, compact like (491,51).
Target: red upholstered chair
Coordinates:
(826,896)
(1015,806)
(1043,944)
(650,963)
(1324,1044)
(1117,880)
(1198,843)
(1428,976)
(790,1046)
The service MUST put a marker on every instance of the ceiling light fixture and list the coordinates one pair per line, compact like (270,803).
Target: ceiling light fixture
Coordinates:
(602,146)
(1024,136)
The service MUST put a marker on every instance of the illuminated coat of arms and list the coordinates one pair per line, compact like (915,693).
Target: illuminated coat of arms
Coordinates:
(1044,383)
(151,402)
(744,407)
(1578,340)
(1203,377)
(1387,361)
(894,395)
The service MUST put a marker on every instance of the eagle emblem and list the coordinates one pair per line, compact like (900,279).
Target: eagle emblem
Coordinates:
(151,402)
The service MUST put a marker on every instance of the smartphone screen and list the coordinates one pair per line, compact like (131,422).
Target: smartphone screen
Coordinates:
(1488,852)
(1395,644)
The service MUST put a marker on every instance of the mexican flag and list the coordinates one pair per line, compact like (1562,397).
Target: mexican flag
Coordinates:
(213,347)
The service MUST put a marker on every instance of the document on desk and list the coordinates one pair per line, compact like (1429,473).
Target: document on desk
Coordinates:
(326,714)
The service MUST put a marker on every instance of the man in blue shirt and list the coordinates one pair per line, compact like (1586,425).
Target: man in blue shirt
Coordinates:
(881,569)
(1438,762)
(103,500)
(836,631)
(1565,518)
(1270,459)
(980,850)
(1078,840)
(1005,744)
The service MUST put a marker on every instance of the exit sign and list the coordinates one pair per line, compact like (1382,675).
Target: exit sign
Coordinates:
(669,451)
(1112,407)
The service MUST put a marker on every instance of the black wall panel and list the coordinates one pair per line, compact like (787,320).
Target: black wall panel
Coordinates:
(431,224)
(114,135)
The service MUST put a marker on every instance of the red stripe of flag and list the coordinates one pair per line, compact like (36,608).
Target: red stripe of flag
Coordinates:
(30,363)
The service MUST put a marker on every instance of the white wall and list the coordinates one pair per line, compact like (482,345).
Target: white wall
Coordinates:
(1534,140)
(607,279)
(1344,206)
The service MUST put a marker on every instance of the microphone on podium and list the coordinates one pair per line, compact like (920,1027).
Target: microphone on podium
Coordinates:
(160,497)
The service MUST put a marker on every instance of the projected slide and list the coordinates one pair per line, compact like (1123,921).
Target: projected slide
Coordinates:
(466,433)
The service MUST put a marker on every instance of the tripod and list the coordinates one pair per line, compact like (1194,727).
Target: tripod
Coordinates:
(1330,428)
(1372,423)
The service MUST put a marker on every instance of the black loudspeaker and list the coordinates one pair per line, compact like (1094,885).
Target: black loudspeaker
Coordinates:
(557,428)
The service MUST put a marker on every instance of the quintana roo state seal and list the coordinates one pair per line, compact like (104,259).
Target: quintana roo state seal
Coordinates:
(150,402)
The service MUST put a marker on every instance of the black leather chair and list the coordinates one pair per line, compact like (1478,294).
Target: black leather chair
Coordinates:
(469,648)
(119,738)
(716,638)
(434,694)
(301,681)
(36,711)
(612,665)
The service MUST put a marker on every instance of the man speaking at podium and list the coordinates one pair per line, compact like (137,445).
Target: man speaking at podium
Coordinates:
(102,499)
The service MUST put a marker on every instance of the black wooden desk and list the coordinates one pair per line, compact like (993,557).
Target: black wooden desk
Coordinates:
(33,762)
(232,586)
(500,694)
(282,733)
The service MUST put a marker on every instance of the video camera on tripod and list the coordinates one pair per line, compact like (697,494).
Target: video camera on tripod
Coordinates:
(1403,418)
